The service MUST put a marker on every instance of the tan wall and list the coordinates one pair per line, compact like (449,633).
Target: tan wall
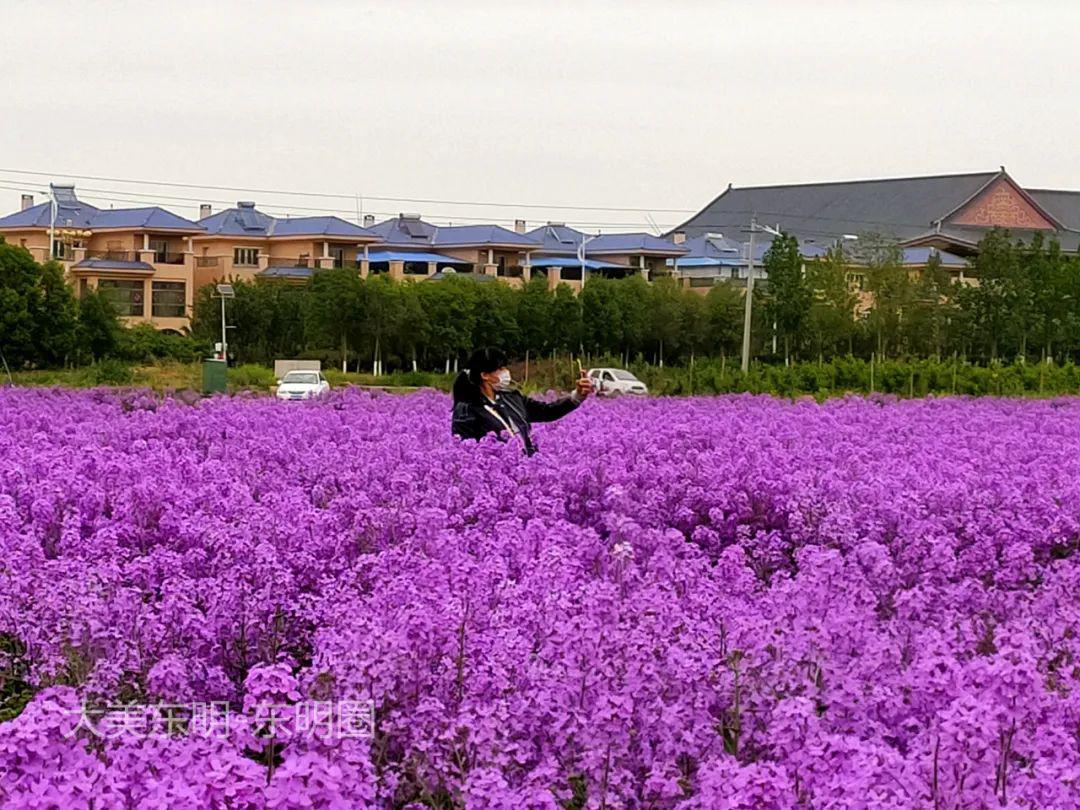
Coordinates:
(219,252)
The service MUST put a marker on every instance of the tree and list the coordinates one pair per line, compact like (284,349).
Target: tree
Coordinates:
(991,308)
(333,309)
(926,327)
(566,323)
(380,305)
(534,312)
(56,314)
(451,316)
(496,316)
(19,275)
(666,322)
(724,310)
(888,281)
(98,328)
(831,320)
(789,296)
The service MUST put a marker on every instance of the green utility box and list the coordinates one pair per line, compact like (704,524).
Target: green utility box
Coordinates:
(215,377)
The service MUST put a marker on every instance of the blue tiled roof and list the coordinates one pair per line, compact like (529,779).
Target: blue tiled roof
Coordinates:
(246,220)
(469,235)
(401,231)
(112,264)
(152,218)
(563,240)
(720,251)
(557,238)
(318,226)
(632,243)
(39,216)
(412,256)
(77,214)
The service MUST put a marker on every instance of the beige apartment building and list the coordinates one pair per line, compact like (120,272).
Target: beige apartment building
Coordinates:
(142,258)
(151,262)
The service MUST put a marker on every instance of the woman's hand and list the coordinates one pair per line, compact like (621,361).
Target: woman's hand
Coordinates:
(584,387)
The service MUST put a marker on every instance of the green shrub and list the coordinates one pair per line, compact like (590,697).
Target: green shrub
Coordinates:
(145,344)
(111,371)
(250,376)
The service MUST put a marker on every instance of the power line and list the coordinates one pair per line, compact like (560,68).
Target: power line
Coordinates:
(419,200)
(117,196)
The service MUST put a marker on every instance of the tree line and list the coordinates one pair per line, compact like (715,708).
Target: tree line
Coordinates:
(1026,306)
(43,324)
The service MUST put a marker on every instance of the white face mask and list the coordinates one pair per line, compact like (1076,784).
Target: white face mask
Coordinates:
(504,381)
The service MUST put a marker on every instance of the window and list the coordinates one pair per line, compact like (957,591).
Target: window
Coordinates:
(167,299)
(304,260)
(160,248)
(246,256)
(126,296)
(338,255)
(63,250)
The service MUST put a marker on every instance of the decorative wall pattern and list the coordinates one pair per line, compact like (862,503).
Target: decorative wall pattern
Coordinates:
(1004,206)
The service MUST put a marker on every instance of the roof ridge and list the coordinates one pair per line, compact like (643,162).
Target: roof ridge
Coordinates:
(867,180)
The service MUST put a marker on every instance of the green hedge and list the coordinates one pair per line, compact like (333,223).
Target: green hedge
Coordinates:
(916,378)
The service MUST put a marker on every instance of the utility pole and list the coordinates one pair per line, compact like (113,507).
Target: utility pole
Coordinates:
(749,308)
(52,222)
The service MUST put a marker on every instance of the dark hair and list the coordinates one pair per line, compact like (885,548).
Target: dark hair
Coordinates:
(484,361)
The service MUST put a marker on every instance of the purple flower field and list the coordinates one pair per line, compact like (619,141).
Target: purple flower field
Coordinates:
(700,604)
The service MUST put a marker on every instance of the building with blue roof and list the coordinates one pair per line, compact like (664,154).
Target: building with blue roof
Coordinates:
(142,258)
(412,247)
(245,243)
(609,255)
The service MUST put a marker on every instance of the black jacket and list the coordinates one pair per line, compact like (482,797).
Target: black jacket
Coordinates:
(475,415)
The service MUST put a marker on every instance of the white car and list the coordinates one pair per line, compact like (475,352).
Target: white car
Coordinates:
(614,381)
(302,385)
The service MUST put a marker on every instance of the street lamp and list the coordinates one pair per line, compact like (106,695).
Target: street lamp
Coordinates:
(748,310)
(581,254)
(224,291)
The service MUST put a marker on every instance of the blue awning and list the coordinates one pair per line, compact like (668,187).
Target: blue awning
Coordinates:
(412,256)
(572,261)
(707,261)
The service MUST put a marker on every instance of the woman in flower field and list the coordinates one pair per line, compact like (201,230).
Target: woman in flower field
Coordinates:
(485,402)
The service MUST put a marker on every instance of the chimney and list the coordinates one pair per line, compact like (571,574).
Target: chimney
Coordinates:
(369,220)
(679,237)
(27,201)
(519,226)
(204,210)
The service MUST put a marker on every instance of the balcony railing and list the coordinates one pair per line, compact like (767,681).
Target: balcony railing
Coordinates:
(165,257)
(283,261)
(207,261)
(113,255)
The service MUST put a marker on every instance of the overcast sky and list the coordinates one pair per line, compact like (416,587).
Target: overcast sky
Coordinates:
(654,105)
